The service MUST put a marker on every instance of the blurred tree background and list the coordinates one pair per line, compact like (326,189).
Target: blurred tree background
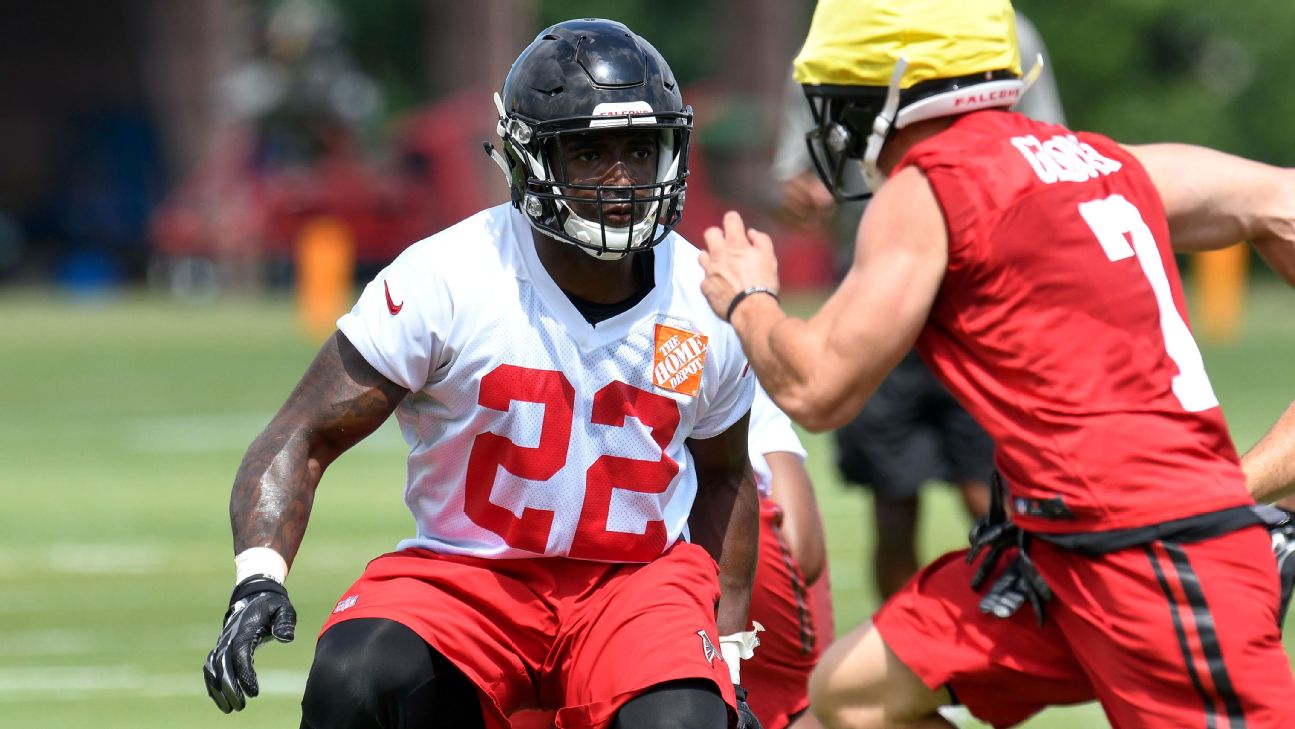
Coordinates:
(386,37)
(1202,71)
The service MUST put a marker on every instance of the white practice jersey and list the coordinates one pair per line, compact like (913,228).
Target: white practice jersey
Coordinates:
(770,432)
(532,432)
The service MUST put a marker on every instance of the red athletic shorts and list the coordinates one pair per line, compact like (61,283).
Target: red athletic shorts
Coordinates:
(796,628)
(1166,636)
(578,637)
(798,625)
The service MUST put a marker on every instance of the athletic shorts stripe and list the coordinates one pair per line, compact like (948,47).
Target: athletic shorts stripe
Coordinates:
(1209,638)
(1194,617)
(801,594)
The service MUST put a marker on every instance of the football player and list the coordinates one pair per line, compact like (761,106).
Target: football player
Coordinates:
(585,518)
(912,433)
(1032,265)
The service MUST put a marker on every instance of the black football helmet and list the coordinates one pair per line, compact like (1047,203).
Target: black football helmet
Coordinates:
(583,75)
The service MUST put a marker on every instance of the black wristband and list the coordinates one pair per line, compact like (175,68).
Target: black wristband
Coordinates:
(728,316)
(251,586)
(255,584)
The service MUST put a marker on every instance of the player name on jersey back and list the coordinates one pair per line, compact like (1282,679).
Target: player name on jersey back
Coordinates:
(1063,158)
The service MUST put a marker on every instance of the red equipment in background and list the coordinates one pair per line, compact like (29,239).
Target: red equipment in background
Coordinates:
(235,214)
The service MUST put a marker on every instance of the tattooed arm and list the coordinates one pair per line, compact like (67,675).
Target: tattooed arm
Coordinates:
(338,402)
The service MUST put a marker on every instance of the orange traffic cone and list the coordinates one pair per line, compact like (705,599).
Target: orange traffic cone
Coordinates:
(1220,281)
(325,270)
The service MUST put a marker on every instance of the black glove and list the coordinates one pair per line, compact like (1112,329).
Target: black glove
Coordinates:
(1019,583)
(745,717)
(992,537)
(258,610)
(992,533)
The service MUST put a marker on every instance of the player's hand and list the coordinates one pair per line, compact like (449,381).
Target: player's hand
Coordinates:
(805,202)
(745,717)
(258,610)
(736,258)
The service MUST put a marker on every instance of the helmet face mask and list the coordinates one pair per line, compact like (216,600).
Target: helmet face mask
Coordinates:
(843,119)
(592,86)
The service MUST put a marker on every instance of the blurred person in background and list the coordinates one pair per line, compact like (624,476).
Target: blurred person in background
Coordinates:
(912,432)
(301,111)
(577,419)
(302,90)
(1033,267)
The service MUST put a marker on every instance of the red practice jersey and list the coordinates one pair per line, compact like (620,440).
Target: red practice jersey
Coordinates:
(1061,326)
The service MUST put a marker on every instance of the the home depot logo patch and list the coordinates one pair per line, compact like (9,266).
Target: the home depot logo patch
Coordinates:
(678,359)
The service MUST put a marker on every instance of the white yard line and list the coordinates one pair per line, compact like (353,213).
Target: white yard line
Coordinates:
(132,559)
(197,433)
(123,681)
(70,641)
(220,432)
(106,559)
(81,559)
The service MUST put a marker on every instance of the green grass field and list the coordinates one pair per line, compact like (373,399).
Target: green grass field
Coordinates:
(123,422)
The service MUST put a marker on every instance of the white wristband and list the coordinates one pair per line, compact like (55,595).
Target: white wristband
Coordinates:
(260,561)
(736,647)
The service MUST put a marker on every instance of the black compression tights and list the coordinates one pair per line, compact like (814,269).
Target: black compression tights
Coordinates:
(691,704)
(378,674)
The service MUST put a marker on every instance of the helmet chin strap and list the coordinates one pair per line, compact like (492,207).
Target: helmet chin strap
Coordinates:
(881,126)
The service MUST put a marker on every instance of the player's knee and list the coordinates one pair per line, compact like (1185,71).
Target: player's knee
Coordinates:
(690,704)
(839,697)
(860,684)
(361,669)
(833,708)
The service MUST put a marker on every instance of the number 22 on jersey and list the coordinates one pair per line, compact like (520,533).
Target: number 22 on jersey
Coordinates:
(1115,221)
(611,406)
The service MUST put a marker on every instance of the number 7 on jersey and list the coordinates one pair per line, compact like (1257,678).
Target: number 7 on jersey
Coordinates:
(1115,221)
